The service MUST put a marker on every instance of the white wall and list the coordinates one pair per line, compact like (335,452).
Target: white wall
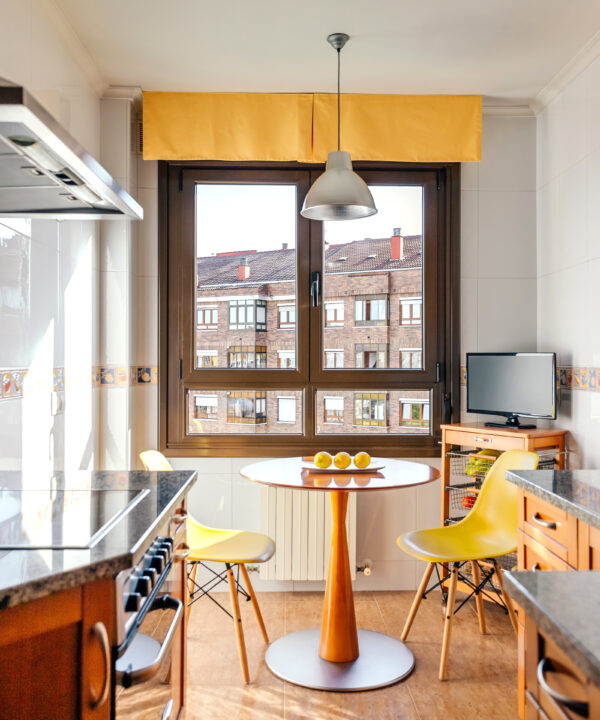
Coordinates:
(48,306)
(568,243)
(498,313)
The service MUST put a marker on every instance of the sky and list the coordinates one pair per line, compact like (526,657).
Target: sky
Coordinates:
(263,217)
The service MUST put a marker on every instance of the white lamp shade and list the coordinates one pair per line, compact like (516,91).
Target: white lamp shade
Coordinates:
(339,193)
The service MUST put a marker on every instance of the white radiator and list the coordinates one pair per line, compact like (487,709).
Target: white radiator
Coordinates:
(299,521)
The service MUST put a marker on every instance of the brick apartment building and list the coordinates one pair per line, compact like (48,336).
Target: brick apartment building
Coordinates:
(372,318)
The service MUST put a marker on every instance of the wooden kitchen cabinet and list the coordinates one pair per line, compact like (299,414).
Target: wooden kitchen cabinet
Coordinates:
(55,655)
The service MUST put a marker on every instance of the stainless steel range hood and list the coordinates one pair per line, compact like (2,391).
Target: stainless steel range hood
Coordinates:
(44,172)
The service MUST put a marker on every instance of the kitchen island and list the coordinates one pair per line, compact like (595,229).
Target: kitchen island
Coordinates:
(82,559)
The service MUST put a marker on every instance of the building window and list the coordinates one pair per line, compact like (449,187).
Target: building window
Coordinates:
(371,310)
(410,311)
(334,358)
(333,409)
(410,359)
(207,358)
(247,356)
(286,409)
(247,407)
(207,317)
(247,315)
(205,407)
(371,355)
(414,413)
(334,314)
(286,358)
(287,316)
(370,409)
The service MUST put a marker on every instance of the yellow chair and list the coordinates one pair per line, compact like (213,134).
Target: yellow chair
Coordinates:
(488,531)
(232,547)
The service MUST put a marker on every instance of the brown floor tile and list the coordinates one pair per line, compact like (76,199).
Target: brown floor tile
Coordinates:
(482,669)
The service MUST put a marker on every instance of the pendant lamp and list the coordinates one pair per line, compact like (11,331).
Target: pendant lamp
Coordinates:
(339,193)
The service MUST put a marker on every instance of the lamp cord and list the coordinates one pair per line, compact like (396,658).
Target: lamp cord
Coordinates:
(338,58)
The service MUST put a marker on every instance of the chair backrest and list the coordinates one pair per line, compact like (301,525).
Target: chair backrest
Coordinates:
(496,506)
(155,460)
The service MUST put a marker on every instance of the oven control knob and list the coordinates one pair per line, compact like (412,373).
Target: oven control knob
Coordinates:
(166,541)
(165,548)
(151,574)
(143,585)
(157,562)
(133,602)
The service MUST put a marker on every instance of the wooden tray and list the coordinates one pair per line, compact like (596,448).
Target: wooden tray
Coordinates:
(332,469)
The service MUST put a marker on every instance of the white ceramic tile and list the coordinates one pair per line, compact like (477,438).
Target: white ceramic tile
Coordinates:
(115,136)
(390,575)
(147,173)
(468,317)
(209,501)
(507,315)
(592,432)
(145,321)
(144,421)
(468,234)
(11,418)
(469,175)
(114,320)
(381,517)
(572,220)
(572,123)
(593,204)
(593,105)
(44,303)
(542,148)
(113,429)
(246,504)
(593,301)
(508,153)
(507,235)
(551,144)
(145,261)
(115,245)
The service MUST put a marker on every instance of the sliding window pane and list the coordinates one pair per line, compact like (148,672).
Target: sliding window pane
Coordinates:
(245,276)
(373,283)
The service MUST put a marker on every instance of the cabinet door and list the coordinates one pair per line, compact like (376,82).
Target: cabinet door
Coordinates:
(97,636)
(589,547)
(554,528)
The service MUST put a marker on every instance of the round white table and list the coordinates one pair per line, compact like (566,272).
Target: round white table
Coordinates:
(338,655)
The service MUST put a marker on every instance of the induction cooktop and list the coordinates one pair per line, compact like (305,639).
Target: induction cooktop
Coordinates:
(62,519)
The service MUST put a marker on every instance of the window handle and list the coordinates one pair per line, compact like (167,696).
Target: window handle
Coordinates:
(315,281)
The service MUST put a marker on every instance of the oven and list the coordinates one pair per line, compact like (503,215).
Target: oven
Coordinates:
(148,656)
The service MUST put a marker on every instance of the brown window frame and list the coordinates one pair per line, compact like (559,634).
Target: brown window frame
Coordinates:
(440,373)
(285,310)
(207,325)
(367,320)
(335,321)
(371,398)
(410,353)
(252,352)
(413,422)
(410,320)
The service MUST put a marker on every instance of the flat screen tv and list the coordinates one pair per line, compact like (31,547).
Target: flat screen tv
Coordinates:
(512,384)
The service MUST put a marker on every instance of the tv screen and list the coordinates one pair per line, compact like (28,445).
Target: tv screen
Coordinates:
(512,384)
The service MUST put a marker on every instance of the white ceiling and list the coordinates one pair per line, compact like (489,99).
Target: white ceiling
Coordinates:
(507,50)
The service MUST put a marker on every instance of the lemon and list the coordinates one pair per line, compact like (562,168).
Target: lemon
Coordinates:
(342,460)
(322,460)
(362,460)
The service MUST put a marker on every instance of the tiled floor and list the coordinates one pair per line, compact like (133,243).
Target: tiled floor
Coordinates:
(482,669)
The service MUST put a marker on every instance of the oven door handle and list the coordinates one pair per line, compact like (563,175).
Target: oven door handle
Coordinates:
(134,676)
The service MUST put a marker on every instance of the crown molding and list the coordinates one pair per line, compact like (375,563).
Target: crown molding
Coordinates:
(74,46)
(585,57)
(131,93)
(508,110)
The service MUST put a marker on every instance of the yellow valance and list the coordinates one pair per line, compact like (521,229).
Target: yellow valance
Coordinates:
(303,127)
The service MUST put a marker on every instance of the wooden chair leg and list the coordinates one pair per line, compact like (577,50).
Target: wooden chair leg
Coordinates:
(254,601)
(478,597)
(448,620)
(507,600)
(237,619)
(417,601)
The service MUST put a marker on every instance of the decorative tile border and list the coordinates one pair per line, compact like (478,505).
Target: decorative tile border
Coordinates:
(12,380)
(568,378)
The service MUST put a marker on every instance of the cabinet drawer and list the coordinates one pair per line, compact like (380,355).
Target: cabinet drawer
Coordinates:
(534,556)
(482,440)
(551,526)
(567,680)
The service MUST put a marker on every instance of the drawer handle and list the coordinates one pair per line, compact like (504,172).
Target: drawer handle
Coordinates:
(178,519)
(183,552)
(536,518)
(99,631)
(535,567)
(577,706)
(482,439)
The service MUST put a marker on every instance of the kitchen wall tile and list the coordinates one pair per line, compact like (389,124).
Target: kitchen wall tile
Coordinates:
(469,175)
(550,245)
(145,330)
(114,318)
(508,154)
(572,216)
(114,429)
(246,504)
(507,235)
(469,237)
(390,575)
(115,245)
(205,467)
(11,418)
(209,501)
(468,320)
(572,123)
(145,262)
(147,173)
(593,105)
(592,204)
(115,136)
(507,315)
(377,529)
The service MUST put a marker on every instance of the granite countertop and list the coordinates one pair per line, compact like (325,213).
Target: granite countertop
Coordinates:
(575,491)
(563,605)
(26,575)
